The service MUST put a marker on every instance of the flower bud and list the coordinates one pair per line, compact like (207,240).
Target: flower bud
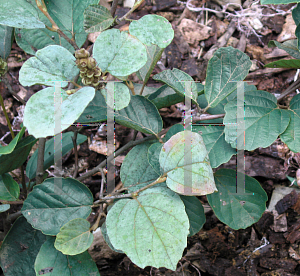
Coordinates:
(91,63)
(82,53)
(87,81)
(82,74)
(83,70)
(96,82)
(97,72)
(82,63)
(89,73)
(71,91)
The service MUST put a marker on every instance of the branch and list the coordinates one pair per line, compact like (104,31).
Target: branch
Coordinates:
(112,156)
(42,7)
(114,7)
(11,91)
(71,41)
(137,142)
(208,117)
(40,161)
(134,194)
(12,202)
(290,89)
(135,6)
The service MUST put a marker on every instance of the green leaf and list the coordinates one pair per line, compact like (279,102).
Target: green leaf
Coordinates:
(97,19)
(238,211)
(13,160)
(297,33)
(172,131)
(153,55)
(291,136)
(6,39)
(195,212)
(177,80)
(4,207)
(151,229)
(20,248)
(40,113)
(106,238)
(225,68)
(263,121)
(197,171)
(96,111)
(141,114)
(67,145)
(296,16)
(74,237)
(55,202)
(9,188)
(290,46)
(284,63)
(165,96)
(136,170)
(9,148)
(147,89)
(52,63)
(68,15)
(152,29)
(219,151)
(219,109)
(153,157)
(277,2)
(120,98)
(50,261)
(20,14)
(119,53)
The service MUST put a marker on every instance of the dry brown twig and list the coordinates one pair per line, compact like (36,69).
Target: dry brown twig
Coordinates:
(243,16)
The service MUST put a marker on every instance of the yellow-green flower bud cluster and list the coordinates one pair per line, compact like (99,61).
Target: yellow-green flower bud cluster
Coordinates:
(71,91)
(90,73)
(3,67)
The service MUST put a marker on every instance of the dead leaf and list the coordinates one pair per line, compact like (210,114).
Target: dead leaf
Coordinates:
(288,29)
(101,146)
(194,32)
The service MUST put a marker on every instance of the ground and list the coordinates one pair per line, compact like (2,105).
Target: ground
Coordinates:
(270,246)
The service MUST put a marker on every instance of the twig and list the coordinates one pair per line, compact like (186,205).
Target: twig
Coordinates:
(135,6)
(221,41)
(102,183)
(71,41)
(290,89)
(142,89)
(134,135)
(12,202)
(74,138)
(114,7)
(130,86)
(208,117)
(14,216)
(112,156)
(138,142)
(24,187)
(238,14)
(40,161)
(42,7)
(11,91)
(134,194)
(243,16)
(6,117)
